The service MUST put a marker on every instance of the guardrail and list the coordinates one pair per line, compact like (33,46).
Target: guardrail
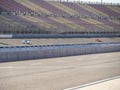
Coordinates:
(15,53)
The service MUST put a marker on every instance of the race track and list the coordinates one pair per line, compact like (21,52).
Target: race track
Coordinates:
(58,73)
(58,41)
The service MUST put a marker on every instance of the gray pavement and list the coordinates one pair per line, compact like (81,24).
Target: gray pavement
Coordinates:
(58,73)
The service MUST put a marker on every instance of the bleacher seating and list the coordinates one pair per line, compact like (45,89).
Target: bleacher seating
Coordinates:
(38,16)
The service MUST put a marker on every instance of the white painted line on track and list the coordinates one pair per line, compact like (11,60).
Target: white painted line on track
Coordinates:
(7,67)
(92,83)
(11,67)
(36,63)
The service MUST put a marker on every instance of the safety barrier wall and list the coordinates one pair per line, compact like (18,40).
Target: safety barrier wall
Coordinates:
(5,36)
(58,35)
(15,53)
(64,35)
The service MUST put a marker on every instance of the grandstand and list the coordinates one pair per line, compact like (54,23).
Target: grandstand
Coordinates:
(79,22)
(58,44)
(53,17)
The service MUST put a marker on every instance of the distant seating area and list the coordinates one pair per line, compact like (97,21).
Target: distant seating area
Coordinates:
(51,7)
(59,15)
(49,17)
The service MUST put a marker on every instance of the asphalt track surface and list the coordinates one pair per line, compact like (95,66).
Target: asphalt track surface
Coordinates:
(18,42)
(58,73)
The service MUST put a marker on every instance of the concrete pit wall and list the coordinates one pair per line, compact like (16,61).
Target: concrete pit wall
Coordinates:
(16,53)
